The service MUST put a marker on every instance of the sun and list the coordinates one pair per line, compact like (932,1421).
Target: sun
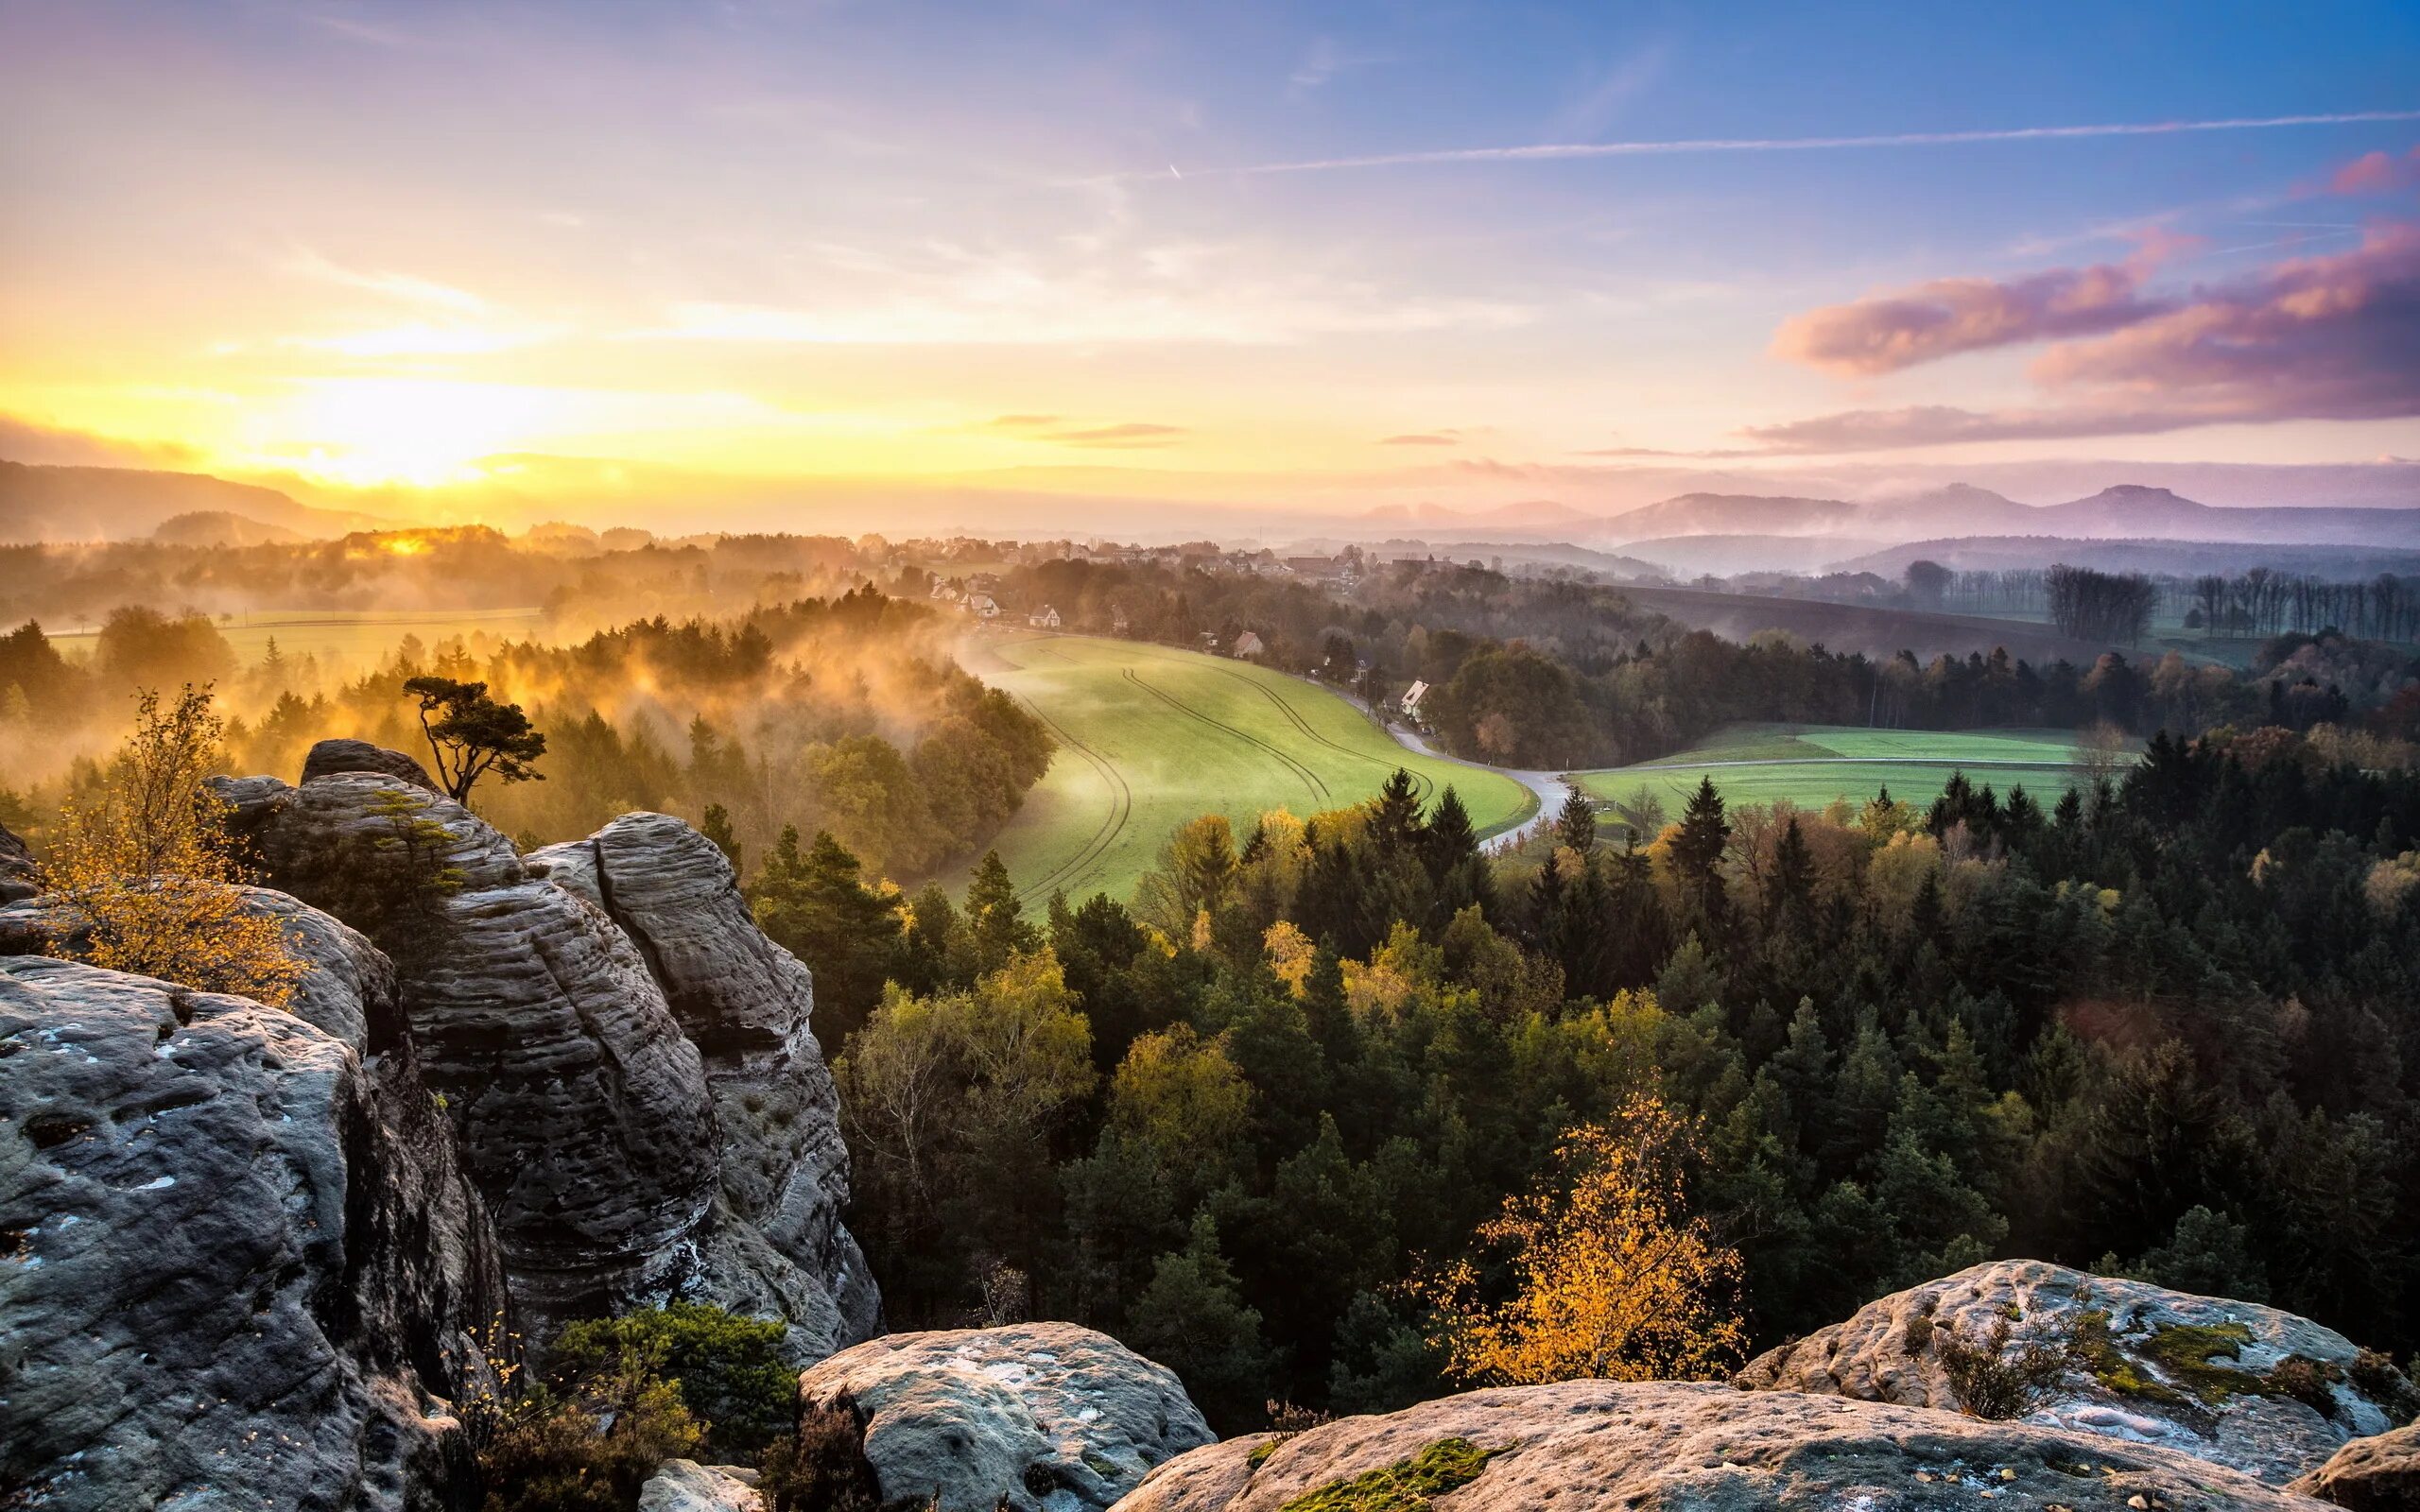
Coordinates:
(425,433)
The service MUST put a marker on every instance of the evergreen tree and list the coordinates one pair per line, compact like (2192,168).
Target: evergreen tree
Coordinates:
(1192,1319)
(1697,850)
(1575,825)
(814,907)
(997,927)
(715,826)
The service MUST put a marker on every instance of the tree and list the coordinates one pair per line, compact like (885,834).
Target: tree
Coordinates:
(471,734)
(1576,825)
(1192,1319)
(1612,1279)
(814,907)
(1697,849)
(1927,581)
(147,871)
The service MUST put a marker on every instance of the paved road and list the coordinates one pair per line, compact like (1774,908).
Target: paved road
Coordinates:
(1552,789)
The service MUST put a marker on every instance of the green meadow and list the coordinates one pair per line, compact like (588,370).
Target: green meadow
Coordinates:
(1811,764)
(1149,738)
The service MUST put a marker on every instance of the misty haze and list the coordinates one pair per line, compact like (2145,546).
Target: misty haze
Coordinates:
(789,757)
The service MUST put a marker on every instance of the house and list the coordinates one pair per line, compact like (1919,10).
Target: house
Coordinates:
(982,605)
(1410,702)
(1118,623)
(1248,645)
(1046,620)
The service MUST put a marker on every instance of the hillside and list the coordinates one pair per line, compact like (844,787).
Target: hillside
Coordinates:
(2123,511)
(1877,632)
(64,503)
(2182,558)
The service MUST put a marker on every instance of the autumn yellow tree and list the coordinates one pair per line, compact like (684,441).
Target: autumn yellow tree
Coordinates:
(145,873)
(1612,1277)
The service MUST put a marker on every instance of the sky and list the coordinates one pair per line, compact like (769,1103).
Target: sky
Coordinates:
(691,257)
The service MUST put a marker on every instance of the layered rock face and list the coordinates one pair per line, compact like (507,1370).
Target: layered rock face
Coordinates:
(233,1254)
(1669,1446)
(16,869)
(2235,1384)
(584,1106)
(1035,1418)
(746,1004)
(2379,1474)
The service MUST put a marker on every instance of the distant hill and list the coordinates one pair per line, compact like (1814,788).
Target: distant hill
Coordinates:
(2182,558)
(2123,512)
(218,527)
(1875,630)
(61,503)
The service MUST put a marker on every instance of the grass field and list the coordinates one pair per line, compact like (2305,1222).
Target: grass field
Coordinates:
(1811,764)
(346,637)
(1151,737)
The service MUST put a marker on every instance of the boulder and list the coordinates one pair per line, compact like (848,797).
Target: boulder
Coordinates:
(686,1485)
(584,1109)
(1670,1445)
(2379,1474)
(2238,1384)
(330,757)
(16,869)
(1034,1416)
(234,1256)
(347,989)
(746,1004)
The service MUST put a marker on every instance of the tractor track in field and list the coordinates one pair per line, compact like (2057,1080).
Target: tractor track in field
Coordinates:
(1422,784)
(1121,808)
(1312,780)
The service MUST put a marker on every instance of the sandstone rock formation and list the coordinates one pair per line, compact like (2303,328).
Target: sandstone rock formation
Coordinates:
(746,1004)
(582,1102)
(2380,1475)
(1034,1416)
(16,869)
(232,1254)
(686,1485)
(2235,1384)
(1668,1446)
(330,757)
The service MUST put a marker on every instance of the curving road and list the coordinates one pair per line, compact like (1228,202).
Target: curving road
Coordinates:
(1552,789)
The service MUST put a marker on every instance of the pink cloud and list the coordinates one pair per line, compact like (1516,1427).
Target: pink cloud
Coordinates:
(2334,337)
(2376,173)
(1422,439)
(1886,332)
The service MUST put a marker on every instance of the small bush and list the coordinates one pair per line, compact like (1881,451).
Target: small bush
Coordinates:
(821,1467)
(2308,1382)
(2376,1378)
(727,1368)
(1992,1383)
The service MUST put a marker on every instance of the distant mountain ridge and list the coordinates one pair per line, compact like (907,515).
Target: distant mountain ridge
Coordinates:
(42,504)
(2121,513)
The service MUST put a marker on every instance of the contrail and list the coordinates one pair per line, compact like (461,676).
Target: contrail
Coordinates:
(1550,152)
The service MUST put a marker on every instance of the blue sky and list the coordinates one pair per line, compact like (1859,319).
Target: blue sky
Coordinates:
(383,245)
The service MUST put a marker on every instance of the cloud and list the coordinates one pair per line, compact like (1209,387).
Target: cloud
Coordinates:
(422,339)
(2335,337)
(1422,439)
(1553,151)
(401,286)
(1596,107)
(1059,430)
(1941,319)
(2376,173)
